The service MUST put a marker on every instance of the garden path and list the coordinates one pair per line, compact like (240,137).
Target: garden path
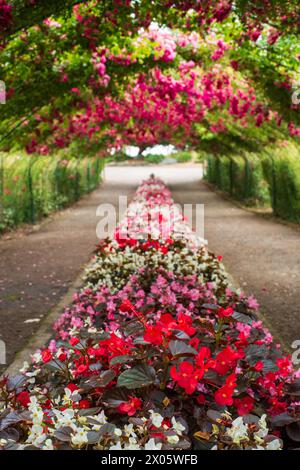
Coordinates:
(38,268)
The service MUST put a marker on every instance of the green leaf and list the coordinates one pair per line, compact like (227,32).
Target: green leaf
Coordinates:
(100,381)
(242,318)
(179,348)
(121,360)
(293,431)
(137,377)
(115,396)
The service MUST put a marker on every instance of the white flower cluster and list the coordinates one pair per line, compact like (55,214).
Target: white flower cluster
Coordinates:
(79,431)
(114,269)
(244,438)
(137,437)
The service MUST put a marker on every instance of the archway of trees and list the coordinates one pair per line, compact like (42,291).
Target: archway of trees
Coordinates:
(101,74)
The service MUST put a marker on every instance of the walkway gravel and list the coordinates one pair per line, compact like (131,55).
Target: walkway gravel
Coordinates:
(37,269)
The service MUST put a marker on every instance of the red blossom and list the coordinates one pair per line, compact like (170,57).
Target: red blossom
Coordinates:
(131,406)
(227,359)
(285,366)
(187,377)
(201,399)
(46,355)
(259,366)
(72,387)
(23,398)
(244,405)
(74,341)
(224,396)
(84,404)
(153,335)
(225,312)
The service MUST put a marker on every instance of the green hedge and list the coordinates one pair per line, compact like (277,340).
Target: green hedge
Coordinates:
(33,186)
(241,177)
(282,171)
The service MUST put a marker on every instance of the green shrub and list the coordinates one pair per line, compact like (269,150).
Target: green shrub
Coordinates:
(31,187)
(282,170)
(154,159)
(182,157)
(241,177)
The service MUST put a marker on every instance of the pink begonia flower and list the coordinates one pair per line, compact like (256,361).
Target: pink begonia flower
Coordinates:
(257,324)
(252,303)
(268,337)
(52,346)
(244,328)
(297,374)
(77,322)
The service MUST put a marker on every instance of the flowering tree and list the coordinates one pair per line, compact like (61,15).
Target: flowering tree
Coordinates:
(70,64)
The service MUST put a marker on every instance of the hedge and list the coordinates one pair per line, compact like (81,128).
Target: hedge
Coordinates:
(241,177)
(282,171)
(31,187)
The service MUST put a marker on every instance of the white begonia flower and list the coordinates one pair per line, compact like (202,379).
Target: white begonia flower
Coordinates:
(36,436)
(116,446)
(177,426)
(101,418)
(96,427)
(69,394)
(238,431)
(263,422)
(263,428)
(274,445)
(31,380)
(65,418)
(25,367)
(129,430)
(37,414)
(82,420)
(36,357)
(257,438)
(118,432)
(33,373)
(48,445)
(79,438)
(261,434)
(88,321)
(73,331)
(92,330)
(156,418)
(173,439)
(150,445)
(132,447)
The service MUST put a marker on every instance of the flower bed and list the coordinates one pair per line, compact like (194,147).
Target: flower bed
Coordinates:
(156,352)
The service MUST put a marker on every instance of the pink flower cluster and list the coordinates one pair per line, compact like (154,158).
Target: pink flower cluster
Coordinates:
(5,15)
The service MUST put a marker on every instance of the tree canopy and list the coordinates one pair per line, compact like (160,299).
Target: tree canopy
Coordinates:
(92,75)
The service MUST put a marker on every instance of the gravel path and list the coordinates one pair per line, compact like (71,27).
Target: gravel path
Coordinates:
(37,269)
